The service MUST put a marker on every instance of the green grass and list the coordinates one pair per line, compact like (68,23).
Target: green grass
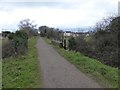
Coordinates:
(105,75)
(22,71)
(0,74)
(0,64)
(47,40)
(0,41)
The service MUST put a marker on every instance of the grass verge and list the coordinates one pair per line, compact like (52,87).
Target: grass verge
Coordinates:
(22,71)
(0,64)
(105,75)
(47,40)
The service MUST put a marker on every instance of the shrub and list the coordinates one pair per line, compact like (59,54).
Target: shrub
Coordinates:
(72,43)
(19,42)
(17,45)
(8,50)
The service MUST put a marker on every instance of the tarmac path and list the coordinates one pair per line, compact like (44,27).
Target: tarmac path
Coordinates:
(58,72)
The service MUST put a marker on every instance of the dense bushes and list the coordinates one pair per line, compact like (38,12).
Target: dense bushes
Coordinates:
(107,47)
(18,41)
(17,44)
(50,33)
(103,42)
(106,42)
(72,43)
(7,50)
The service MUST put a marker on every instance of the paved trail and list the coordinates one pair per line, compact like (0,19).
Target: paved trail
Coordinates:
(58,72)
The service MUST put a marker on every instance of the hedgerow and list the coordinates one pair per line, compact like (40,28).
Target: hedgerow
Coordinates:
(17,45)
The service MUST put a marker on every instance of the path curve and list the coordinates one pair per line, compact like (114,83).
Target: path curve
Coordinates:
(58,72)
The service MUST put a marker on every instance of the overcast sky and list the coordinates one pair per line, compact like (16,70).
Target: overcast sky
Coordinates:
(55,13)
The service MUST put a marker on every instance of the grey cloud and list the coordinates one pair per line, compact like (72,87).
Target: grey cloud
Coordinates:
(30,0)
(10,6)
(105,5)
(29,4)
(53,4)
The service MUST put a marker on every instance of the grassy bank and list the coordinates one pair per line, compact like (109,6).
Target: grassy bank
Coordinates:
(22,72)
(0,41)
(107,76)
(0,74)
(0,63)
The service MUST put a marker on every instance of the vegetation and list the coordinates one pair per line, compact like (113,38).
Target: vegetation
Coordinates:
(3,41)
(0,73)
(22,71)
(106,39)
(47,40)
(0,41)
(101,44)
(27,26)
(17,44)
(105,75)
(91,54)
(5,33)
(72,43)
(51,33)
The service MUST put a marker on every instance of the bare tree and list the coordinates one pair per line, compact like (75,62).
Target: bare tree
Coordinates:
(28,26)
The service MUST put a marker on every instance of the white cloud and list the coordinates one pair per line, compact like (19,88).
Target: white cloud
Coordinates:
(69,13)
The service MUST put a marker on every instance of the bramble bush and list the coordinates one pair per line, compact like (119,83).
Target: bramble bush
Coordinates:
(17,45)
(104,43)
